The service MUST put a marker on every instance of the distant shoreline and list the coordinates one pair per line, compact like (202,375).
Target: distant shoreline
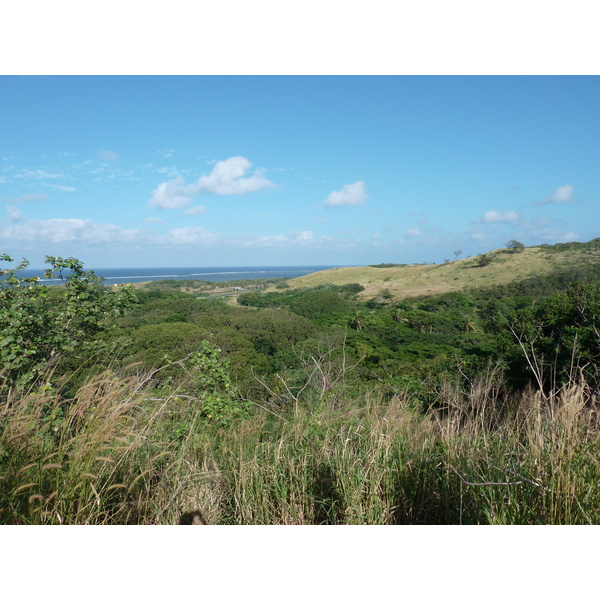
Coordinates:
(143,276)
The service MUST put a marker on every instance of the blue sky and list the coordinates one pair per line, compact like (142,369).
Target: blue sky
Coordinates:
(294,170)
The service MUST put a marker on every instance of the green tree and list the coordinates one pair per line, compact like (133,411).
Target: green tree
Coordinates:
(555,339)
(483,260)
(320,304)
(515,246)
(38,325)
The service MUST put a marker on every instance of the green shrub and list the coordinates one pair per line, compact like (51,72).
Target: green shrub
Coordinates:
(320,304)
(37,325)
(211,375)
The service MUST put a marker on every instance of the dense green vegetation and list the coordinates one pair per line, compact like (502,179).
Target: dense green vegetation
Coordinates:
(302,405)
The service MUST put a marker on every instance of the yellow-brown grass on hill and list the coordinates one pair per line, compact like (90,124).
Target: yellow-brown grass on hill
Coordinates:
(417,280)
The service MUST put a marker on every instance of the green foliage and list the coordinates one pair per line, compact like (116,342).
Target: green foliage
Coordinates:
(352,288)
(515,246)
(385,295)
(320,304)
(248,299)
(38,325)
(388,265)
(583,247)
(176,318)
(211,374)
(551,340)
(360,412)
(483,260)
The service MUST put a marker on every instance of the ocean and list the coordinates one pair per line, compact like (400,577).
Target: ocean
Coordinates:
(127,275)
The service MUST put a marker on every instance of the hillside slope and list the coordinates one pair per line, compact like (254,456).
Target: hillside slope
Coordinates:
(505,266)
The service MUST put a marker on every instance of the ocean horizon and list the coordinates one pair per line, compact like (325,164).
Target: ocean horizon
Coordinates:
(123,275)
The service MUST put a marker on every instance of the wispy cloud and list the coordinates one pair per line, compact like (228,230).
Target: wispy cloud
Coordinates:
(171,171)
(26,198)
(14,214)
(38,174)
(351,194)
(548,229)
(298,239)
(304,237)
(262,241)
(109,155)
(493,216)
(66,230)
(60,188)
(196,236)
(228,177)
(80,234)
(561,195)
(196,210)
(84,163)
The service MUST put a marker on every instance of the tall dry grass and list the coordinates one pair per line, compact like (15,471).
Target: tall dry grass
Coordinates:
(487,456)
(91,459)
(121,452)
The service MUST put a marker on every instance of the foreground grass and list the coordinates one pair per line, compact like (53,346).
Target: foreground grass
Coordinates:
(121,452)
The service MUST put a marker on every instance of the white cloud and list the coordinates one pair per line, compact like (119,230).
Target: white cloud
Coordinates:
(304,237)
(172,172)
(76,235)
(493,216)
(351,194)
(568,237)
(191,236)
(226,178)
(170,195)
(38,174)
(25,198)
(66,230)
(549,231)
(84,163)
(60,188)
(561,195)
(14,214)
(85,231)
(414,233)
(153,220)
(266,241)
(301,239)
(108,155)
(196,210)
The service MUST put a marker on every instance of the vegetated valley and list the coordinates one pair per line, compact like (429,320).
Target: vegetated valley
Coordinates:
(459,393)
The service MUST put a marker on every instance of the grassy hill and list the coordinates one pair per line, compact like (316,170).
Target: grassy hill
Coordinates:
(505,266)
